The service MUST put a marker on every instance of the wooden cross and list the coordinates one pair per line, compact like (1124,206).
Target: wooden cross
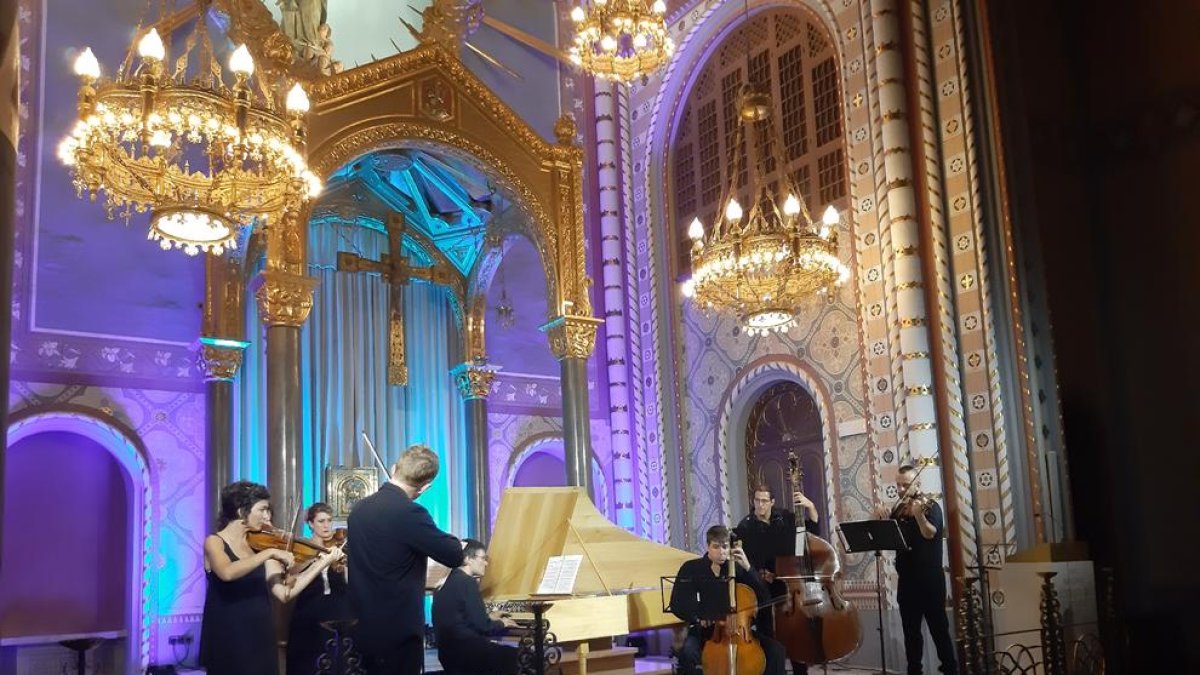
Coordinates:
(395,270)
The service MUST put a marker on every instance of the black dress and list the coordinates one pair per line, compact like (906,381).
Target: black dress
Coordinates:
(324,599)
(237,635)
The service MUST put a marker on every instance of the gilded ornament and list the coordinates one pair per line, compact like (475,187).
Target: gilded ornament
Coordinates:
(474,380)
(220,363)
(397,358)
(284,299)
(571,336)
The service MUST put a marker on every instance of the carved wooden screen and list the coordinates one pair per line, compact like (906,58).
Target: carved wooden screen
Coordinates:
(785,419)
(791,51)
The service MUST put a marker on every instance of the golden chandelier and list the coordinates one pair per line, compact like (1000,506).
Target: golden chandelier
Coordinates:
(763,264)
(205,158)
(622,40)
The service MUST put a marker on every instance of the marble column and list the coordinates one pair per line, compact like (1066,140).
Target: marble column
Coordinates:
(572,339)
(220,360)
(284,302)
(616,327)
(9,70)
(474,380)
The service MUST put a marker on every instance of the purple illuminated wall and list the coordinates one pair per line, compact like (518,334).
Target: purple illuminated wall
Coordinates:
(66,554)
(541,469)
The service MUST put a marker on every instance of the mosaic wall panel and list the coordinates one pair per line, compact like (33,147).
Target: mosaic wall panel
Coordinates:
(171,425)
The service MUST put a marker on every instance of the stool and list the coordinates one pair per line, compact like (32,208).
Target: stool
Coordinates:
(81,647)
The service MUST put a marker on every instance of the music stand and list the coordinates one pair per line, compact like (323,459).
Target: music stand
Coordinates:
(862,536)
(703,598)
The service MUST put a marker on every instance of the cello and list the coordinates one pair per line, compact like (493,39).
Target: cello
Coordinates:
(815,623)
(733,649)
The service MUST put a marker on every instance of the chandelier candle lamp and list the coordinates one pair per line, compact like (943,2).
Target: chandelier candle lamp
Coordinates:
(203,157)
(621,40)
(763,263)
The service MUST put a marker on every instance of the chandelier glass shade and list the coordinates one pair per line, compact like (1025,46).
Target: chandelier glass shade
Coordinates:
(204,157)
(621,40)
(765,262)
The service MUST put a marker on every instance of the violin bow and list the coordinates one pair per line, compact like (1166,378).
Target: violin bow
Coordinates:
(378,461)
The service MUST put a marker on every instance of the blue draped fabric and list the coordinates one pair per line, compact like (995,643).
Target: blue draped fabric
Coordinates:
(250,400)
(345,342)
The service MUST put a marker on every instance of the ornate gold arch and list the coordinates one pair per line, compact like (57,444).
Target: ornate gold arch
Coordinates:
(426,98)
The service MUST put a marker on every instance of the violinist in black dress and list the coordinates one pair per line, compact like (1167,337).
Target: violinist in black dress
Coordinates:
(237,634)
(325,599)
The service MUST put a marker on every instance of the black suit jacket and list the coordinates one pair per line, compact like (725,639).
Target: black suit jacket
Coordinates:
(697,588)
(391,537)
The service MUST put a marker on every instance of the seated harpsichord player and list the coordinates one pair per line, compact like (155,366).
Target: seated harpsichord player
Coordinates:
(698,588)
(462,624)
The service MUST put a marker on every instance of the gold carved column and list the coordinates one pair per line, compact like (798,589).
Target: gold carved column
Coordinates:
(572,339)
(474,380)
(284,292)
(221,346)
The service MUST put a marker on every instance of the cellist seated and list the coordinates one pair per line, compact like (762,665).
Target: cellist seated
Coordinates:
(700,597)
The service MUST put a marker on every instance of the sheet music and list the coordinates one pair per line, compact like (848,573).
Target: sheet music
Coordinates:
(559,578)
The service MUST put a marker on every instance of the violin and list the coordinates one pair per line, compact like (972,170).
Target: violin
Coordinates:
(338,540)
(304,550)
(919,501)
(733,649)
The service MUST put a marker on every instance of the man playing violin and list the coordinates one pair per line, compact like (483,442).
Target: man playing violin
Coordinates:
(921,591)
(701,584)
(768,532)
(392,539)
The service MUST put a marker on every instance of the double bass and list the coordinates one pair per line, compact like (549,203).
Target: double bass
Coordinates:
(733,648)
(814,623)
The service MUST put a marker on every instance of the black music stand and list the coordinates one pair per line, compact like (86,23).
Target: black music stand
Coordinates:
(862,536)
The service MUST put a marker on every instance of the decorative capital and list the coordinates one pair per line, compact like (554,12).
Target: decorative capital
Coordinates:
(220,358)
(572,336)
(284,299)
(474,379)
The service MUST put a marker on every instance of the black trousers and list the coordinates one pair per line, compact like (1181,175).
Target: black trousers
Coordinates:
(477,656)
(926,601)
(693,647)
(405,657)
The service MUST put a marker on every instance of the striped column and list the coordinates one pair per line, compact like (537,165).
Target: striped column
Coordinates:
(9,121)
(912,372)
(615,326)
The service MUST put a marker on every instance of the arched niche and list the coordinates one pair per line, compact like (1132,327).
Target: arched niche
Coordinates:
(748,385)
(131,454)
(549,449)
(426,99)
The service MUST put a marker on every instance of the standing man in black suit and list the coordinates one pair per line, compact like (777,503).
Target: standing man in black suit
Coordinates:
(390,539)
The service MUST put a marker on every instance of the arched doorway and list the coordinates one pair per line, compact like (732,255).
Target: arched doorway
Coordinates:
(784,420)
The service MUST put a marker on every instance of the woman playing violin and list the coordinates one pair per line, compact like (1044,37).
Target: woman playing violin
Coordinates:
(323,600)
(699,587)
(237,635)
